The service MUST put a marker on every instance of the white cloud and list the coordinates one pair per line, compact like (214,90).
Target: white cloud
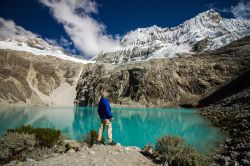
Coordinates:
(242,9)
(87,34)
(51,41)
(9,30)
(213,6)
(64,42)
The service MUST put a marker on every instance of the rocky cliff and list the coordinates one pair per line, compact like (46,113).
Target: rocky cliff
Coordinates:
(37,80)
(165,82)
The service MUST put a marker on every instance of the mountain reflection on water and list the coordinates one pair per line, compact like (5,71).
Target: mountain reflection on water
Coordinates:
(132,127)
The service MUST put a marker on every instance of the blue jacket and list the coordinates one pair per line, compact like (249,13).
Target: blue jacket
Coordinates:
(104,109)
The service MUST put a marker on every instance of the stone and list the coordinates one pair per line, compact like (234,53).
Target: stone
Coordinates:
(148,150)
(115,153)
(248,155)
(84,148)
(70,151)
(200,45)
(245,162)
(234,163)
(224,161)
(61,149)
(71,144)
(30,160)
(92,152)
(119,150)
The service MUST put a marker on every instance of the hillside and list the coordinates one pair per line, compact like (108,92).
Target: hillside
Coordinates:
(37,80)
(165,82)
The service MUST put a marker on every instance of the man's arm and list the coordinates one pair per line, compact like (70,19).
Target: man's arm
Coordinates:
(108,109)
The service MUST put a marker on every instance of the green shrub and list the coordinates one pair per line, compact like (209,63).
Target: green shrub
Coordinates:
(174,152)
(20,146)
(91,138)
(45,137)
(14,146)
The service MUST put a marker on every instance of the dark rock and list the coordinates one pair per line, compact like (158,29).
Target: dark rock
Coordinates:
(234,163)
(248,155)
(245,162)
(224,161)
(200,45)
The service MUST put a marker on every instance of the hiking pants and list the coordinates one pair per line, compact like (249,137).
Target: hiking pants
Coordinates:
(108,125)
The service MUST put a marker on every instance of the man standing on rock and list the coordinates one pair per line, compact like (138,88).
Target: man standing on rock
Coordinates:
(105,114)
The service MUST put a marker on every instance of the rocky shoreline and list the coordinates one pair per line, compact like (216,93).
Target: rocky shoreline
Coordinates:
(44,146)
(231,113)
(81,155)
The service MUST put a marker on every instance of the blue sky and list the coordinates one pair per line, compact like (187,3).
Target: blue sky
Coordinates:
(113,18)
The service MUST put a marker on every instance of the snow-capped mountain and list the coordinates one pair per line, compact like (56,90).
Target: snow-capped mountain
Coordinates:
(206,31)
(15,37)
(38,46)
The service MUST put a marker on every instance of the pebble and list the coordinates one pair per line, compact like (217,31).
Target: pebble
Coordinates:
(127,148)
(30,160)
(119,150)
(234,163)
(225,160)
(84,148)
(248,155)
(71,151)
(245,162)
(54,154)
(115,153)
(92,152)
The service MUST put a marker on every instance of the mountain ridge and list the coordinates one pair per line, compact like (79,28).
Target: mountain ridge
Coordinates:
(15,37)
(38,46)
(156,42)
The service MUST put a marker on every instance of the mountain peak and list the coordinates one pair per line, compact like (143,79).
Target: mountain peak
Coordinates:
(211,11)
(208,31)
(210,14)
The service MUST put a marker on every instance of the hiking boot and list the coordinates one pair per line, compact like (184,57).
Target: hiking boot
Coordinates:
(112,143)
(100,143)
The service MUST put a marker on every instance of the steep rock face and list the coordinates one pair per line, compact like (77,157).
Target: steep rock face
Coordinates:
(156,42)
(42,80)
(165,82)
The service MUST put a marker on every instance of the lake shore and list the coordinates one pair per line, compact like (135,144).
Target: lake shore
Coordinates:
(231,115)
(82,155)
(60,151)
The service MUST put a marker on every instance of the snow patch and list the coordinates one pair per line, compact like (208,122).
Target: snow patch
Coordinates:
(40,50)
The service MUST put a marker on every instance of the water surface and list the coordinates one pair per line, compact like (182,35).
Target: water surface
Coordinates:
(132,126)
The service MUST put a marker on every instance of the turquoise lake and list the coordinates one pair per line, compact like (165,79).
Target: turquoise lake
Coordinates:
(131,127)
